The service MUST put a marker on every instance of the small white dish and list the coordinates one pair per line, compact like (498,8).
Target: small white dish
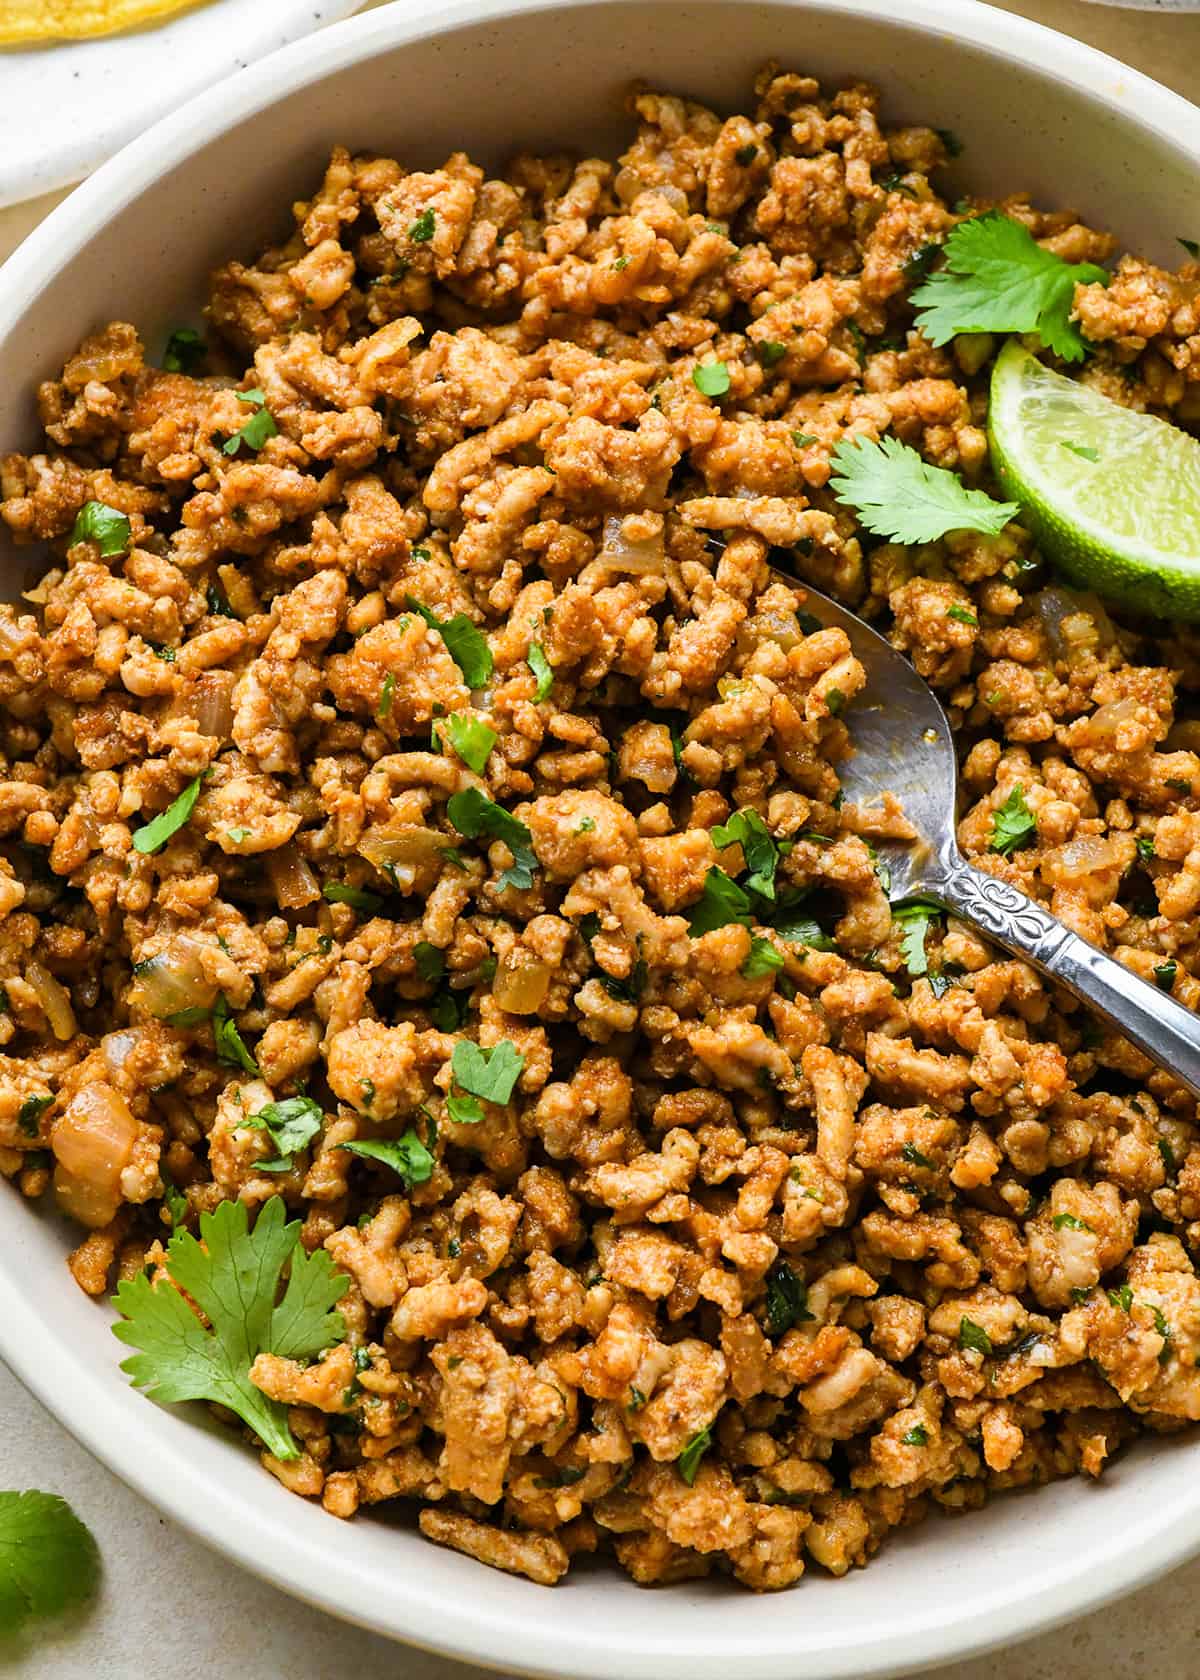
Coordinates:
(70,105)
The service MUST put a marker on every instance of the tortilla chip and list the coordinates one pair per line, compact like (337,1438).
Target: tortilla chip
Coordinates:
(22,22)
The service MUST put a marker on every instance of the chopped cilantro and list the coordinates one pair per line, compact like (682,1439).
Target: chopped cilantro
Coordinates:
(1164,974)
(689,1459)
(745,155)
(962,615)
(972,1335)
(491,1074)
(1145,846)
(770,352)
(542,670)
(421,231)
(472,740)
(29,1115)
(1069,1222)
(915,920)
(228,1040)
(802,440)
(1013,824)
(474,814)
(914,1157)
(406,1155)
(1121,1297)
(108,528)
(429,961)
(764,959)
(721,902)
(464,641)
(260,426)
(337,892)
(152,836)
(787,1299)
(917,1436)
(747,830)
(185,351)
(292,1124)
(922,260)
(386,694)
(711,379)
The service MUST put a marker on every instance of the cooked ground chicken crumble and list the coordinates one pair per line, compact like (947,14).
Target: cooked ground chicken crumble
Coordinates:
(895,1241)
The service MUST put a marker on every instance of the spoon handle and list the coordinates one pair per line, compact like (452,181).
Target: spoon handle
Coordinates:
(1164,1030)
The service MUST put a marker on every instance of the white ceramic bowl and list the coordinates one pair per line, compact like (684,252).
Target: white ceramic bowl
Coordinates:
(1035,110)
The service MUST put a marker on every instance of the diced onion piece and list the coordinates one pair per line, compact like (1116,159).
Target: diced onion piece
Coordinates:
(93,1142)
(293,881)
(54,999)
(213,703)
(521,983)
(173,980)
(403,850)
(623,553)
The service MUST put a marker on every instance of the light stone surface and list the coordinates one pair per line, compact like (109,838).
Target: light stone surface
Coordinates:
(172,1609)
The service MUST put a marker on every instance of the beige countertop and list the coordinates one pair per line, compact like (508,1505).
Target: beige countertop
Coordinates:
(171,1608)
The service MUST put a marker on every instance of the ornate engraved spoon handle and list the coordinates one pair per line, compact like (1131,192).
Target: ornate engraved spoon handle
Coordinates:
(1167,1032)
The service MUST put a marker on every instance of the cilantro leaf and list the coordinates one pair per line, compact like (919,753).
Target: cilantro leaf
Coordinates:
(1069,1222)
(472,740)
(473,814)
(972,1335)
(152,836)
(1013,824)
(765,958)
(917,1436)
(900,496)
(421,231)
(490,1074)
(915,920)
(997,278)
(793,925)
(230,1047)
(1164,974)
(787,1299)
(386,695)
(747,830)
(430,961)
(721,902)
(406,1155)
(689,1459)
(260,426)
(1121,1297)
(337,892)
(48,1559)
(233,1276)
(463,1110)
(711,379)
(185,351)
(29,1115)
(292,1123)
(464,641)
(542,670)
(109,529)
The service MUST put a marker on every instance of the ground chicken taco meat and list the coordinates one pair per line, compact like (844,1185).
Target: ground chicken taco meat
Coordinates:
(404,736)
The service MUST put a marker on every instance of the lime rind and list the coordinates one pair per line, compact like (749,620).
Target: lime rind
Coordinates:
(1113,495)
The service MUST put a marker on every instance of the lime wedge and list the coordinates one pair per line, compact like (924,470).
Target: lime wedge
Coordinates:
(1111,495)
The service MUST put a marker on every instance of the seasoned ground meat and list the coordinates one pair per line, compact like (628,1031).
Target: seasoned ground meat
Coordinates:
(406,733)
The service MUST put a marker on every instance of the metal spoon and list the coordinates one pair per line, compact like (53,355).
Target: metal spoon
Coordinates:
(902,743)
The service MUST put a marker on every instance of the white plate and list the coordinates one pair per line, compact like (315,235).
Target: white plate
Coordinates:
(69,106)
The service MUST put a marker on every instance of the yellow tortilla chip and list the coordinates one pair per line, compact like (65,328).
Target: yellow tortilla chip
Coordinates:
(23,22)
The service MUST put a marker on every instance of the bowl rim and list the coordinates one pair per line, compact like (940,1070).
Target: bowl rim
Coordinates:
(155,1461)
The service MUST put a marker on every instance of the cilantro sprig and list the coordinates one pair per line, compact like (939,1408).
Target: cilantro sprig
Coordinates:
(997,278)
(746,829)
(407,1156)
(914,921)
(472,740)
(694,1450)
(260,426)
(898,495)
(49,1561)
(233,1275)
